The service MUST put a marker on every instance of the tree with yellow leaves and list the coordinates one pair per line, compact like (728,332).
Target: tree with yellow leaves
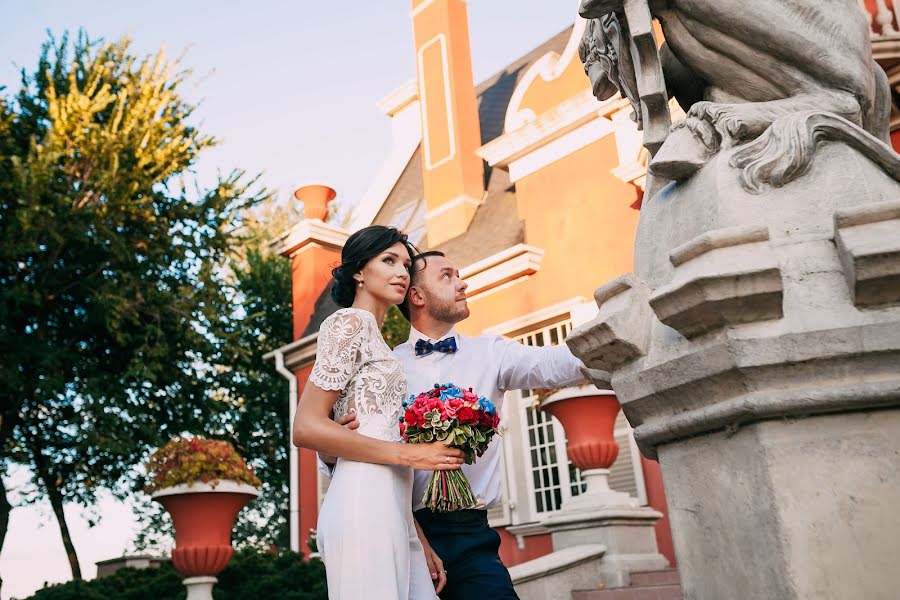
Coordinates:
(110,271)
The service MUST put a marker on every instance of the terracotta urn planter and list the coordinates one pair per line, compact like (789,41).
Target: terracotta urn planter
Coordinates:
(588,416)
(315,199)
(203,516)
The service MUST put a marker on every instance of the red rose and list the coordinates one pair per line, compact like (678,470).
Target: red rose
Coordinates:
(403,429)
(466,415)
(410,417)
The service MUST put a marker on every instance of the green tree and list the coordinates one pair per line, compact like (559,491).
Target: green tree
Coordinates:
(251,398)
(110,270)
(395,328)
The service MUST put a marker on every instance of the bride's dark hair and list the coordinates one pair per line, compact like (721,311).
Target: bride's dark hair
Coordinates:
(360,248)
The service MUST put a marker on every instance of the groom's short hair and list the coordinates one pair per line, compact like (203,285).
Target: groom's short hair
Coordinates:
(419,262)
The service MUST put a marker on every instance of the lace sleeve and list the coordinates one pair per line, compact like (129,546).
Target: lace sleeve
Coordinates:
(337,352)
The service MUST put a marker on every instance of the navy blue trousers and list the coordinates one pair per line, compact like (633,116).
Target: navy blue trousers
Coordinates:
(468,547)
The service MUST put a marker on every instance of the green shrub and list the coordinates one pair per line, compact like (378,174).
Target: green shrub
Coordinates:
(251,575)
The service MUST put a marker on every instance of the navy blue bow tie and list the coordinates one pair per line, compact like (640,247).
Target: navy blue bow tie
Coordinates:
(446,345)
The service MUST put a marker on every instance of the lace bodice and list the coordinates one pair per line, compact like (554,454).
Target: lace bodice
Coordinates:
(352,357)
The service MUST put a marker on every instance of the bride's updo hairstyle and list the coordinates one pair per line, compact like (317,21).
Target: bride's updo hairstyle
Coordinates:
(360,248)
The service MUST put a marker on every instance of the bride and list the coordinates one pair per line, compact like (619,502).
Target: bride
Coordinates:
(368,539)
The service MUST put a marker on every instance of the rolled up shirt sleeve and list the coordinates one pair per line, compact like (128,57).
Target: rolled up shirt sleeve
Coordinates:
(324,468)
(527,367)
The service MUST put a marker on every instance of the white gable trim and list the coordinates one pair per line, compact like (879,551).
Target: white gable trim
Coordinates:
(406,128)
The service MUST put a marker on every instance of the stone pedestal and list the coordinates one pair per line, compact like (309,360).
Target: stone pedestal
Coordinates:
(600,515)
(798,508)
(199,588)
(756,353)
(625,531)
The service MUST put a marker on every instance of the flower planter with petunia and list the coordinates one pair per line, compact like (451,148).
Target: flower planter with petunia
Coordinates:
(203,484)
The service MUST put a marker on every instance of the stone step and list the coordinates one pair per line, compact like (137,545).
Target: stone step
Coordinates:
(656,592)
(662,577)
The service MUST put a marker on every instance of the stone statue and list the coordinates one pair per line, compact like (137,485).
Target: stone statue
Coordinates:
(738,72)
(755,349)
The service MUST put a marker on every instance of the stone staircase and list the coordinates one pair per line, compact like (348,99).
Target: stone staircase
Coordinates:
(649,585)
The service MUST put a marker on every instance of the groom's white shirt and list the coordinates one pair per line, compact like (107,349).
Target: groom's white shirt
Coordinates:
(490,365)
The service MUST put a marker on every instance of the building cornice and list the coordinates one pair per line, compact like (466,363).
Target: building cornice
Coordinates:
(298,354)
(310,231)
(510,265)
(399,98)
(581,115)
(551,312)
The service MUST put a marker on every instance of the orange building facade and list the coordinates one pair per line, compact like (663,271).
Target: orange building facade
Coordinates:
(533,188)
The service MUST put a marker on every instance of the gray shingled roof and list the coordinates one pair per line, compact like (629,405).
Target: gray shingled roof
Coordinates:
(496,225)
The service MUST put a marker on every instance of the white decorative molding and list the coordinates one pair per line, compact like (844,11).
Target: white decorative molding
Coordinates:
(298,354)
(510,265)
(399,98)
(406,129)
(559,310)
(446,206)
(573,124)
(310,231)
(559,148)
(430,162)
(548,67)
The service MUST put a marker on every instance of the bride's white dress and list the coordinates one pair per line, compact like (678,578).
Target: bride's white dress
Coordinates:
(366,534)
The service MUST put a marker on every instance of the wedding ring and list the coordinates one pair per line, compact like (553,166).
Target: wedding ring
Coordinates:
(449,461)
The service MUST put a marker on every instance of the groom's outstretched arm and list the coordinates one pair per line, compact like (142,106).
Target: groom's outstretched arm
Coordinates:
(527,367)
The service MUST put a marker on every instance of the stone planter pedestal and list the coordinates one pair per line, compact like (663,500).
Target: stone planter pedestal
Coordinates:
(600,515)
(203,516)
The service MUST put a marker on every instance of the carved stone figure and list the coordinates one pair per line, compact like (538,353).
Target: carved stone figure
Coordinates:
(755,350)
(738,71)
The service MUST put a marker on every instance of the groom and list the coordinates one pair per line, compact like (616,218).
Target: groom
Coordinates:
(490,365)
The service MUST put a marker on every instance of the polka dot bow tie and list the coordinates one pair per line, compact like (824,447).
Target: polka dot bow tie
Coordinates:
(446,345)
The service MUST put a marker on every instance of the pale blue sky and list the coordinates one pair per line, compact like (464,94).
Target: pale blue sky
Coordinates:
(290,89)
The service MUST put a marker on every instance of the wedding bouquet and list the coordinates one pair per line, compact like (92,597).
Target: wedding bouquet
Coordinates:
(461,418)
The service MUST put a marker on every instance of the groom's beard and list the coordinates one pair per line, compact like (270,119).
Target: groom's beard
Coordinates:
(447,311)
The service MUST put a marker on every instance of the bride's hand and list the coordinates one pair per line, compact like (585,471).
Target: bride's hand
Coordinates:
(435,564)
(435,567)
(435,456)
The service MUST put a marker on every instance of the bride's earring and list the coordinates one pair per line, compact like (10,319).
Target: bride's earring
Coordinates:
(359,283)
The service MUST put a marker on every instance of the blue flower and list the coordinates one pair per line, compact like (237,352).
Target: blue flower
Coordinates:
(453,392)
(486,405)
